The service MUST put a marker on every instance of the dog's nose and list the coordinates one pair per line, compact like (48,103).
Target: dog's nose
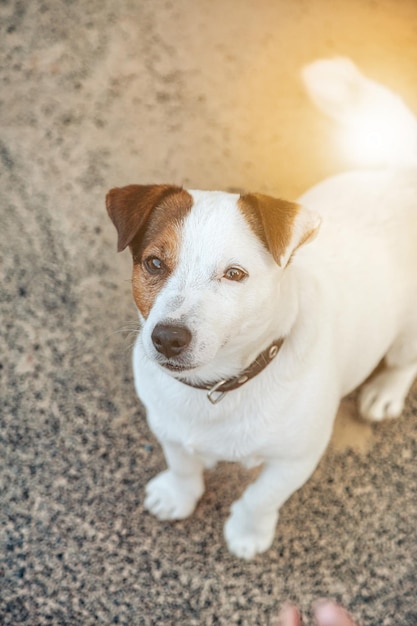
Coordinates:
(170,339)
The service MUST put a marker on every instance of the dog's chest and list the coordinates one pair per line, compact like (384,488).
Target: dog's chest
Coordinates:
(229,431)
(229,440)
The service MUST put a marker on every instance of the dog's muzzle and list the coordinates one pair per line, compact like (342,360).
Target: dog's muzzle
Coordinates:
(171,340)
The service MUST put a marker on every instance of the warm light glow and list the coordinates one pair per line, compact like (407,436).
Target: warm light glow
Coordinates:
(375,126)
(378,134)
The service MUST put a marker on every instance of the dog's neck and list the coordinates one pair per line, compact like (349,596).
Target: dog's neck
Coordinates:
(217,390)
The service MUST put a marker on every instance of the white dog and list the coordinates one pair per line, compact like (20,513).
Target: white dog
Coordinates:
(259,315)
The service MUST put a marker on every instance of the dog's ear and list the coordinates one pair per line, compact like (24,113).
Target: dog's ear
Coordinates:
(129,208)
(282,226)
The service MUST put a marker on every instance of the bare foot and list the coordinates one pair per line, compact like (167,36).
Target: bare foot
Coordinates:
(326,613)
(288,616)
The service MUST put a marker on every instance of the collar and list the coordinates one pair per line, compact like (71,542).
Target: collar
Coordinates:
(229,384)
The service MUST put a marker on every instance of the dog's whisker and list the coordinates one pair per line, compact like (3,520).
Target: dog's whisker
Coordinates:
(130,347)
(129,328)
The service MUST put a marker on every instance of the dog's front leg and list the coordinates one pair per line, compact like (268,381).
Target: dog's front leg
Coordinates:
(174,493)
(251,525)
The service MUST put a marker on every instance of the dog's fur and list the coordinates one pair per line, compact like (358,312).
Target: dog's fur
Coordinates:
(217,277)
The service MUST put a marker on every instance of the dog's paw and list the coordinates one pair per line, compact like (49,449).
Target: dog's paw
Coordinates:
(169,497)
(248,535)
(382,397)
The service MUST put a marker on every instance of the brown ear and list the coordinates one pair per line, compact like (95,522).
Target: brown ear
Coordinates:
(282,226)
(130,207)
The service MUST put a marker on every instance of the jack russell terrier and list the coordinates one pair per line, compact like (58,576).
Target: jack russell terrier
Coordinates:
(258,315)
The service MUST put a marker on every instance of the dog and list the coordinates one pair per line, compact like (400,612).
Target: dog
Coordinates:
(258,315)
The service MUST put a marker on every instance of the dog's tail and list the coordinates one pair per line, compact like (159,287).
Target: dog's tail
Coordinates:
(377,127)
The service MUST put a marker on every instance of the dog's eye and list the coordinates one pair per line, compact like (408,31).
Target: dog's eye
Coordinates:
(235,273)
(154,265)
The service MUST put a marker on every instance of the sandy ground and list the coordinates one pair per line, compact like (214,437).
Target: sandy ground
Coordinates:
(206,94)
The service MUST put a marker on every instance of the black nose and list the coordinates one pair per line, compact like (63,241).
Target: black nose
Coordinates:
(170,339)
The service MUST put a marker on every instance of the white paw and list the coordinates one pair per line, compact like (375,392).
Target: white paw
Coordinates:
(382,398)
(170,497)
(247,534)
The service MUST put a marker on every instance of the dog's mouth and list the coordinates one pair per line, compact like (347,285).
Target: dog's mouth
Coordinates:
(176,367)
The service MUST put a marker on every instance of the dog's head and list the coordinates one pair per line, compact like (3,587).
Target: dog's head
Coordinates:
(207,268)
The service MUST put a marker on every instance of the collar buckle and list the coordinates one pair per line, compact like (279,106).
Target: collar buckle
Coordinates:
(216,392)
(215,389)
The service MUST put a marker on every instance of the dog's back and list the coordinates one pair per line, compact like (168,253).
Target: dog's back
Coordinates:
(369,229)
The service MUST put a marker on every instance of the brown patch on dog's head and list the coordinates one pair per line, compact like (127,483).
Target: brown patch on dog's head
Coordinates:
(282,226)
(130,207)
(147,219)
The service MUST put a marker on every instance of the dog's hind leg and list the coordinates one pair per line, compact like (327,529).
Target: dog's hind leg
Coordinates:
(384,395)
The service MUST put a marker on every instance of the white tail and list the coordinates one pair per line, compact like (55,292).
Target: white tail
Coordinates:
(378,128)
